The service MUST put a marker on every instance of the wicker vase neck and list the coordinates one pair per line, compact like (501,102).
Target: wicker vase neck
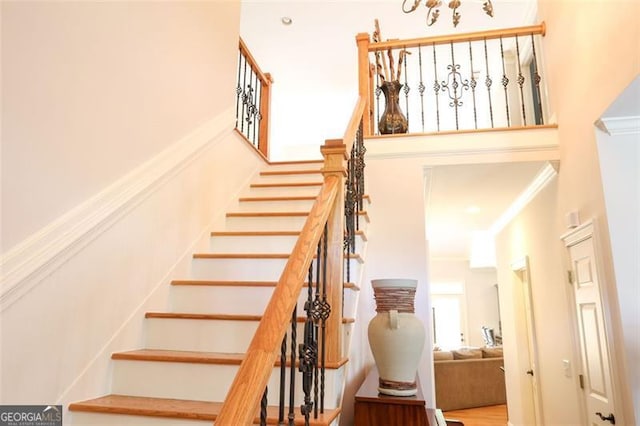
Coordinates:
(394,298)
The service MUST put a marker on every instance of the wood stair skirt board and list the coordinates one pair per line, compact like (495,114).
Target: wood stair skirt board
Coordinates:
(178,409)
(183,375)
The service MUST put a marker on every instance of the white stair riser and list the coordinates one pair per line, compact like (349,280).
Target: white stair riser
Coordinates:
(231,336)
(247,269)
(104,419)
(206,335)
(258,223)
(238,269)
(202,382)
(275,206)
(260,244)
(252,244)
(286,191)
(234,300)
(288,178)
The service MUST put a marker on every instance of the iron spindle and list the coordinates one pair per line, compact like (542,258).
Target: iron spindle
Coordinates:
(326,311)
(312,313)
(421,86)
(520,82)
(259,113)
(263,408)
(473,87)
(436,86)
(488,82)
(505,82)
(377,92)
(238,88)
(536,79)
(308,352)
(406,87)
(292,367)
(254,99)
(283,378)
(244,94)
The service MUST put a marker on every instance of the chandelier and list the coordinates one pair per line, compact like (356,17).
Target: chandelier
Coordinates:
(434,11)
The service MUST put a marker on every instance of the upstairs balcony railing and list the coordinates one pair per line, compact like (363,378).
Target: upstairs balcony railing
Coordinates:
(473,81)
(253,98)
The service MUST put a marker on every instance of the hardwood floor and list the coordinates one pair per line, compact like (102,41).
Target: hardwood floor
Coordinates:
(495,415)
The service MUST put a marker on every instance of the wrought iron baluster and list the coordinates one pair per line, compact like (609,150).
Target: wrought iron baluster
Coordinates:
(244,95)
(521,80)
(312,314)
(308,353)
(436,86)
(292,367)
(421,86)
(238,87)
(263,408)
(324,314)
(505,82)
(377,92)
(406,88)
(488,81)
(536,79)
(454,82)
(283,378)
(253,107)
(473,85)
(258,113)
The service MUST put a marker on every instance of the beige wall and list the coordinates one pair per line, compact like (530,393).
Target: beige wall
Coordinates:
(92,89)
(534,233)
(592,53)
(92,92)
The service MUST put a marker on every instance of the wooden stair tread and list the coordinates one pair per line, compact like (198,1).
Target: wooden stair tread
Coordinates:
(178,408)
(285,184)
(291,172)
(268,234)
(267,214)
(287,163)
(288,198)
(211,283)
(196,357)
(180,356)
(351,256)
(223,317)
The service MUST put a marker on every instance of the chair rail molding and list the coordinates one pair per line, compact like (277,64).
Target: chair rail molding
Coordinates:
(39,255)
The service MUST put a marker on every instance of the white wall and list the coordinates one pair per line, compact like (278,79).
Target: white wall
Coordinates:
(590,53)
(91,93)
(92,89)
(620,161)
(534,233)
(480,294)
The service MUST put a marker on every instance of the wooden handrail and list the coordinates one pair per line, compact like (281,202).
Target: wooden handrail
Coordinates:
(243,399)
(264,77)
(264,107)
(354,122)
(457,38)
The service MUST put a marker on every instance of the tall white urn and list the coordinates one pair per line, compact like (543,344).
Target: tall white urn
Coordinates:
(396,336)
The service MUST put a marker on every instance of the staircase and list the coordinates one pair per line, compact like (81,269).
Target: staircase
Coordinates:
(192,352)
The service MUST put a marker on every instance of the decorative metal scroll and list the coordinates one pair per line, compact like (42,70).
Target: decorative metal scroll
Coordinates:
(478,83)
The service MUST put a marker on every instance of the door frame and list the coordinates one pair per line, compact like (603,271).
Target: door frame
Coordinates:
(522,271)
(608,298)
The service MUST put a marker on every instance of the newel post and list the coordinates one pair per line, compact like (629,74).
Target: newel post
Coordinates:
(265,108)
(365,88)
(335,164)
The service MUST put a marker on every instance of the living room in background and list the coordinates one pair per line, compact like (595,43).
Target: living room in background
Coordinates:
(449,314)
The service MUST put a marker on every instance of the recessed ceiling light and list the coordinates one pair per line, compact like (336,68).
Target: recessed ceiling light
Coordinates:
(286,20)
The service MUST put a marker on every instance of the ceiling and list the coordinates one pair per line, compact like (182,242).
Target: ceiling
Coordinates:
(313,63)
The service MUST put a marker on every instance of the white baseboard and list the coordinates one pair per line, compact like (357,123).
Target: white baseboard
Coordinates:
(26,264)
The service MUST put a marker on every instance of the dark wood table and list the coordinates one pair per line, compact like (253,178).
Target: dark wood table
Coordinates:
(375,409)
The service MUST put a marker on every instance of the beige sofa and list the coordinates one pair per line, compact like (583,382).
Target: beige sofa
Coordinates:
(469,378)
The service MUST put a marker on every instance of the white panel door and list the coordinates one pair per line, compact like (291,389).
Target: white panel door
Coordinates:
(596,383)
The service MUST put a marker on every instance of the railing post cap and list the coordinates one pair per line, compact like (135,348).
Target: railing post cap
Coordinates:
(362,36)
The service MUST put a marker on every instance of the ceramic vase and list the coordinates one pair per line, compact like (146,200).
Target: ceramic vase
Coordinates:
(396,336)
(392,120)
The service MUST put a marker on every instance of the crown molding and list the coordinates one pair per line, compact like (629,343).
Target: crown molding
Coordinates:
(617,126)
